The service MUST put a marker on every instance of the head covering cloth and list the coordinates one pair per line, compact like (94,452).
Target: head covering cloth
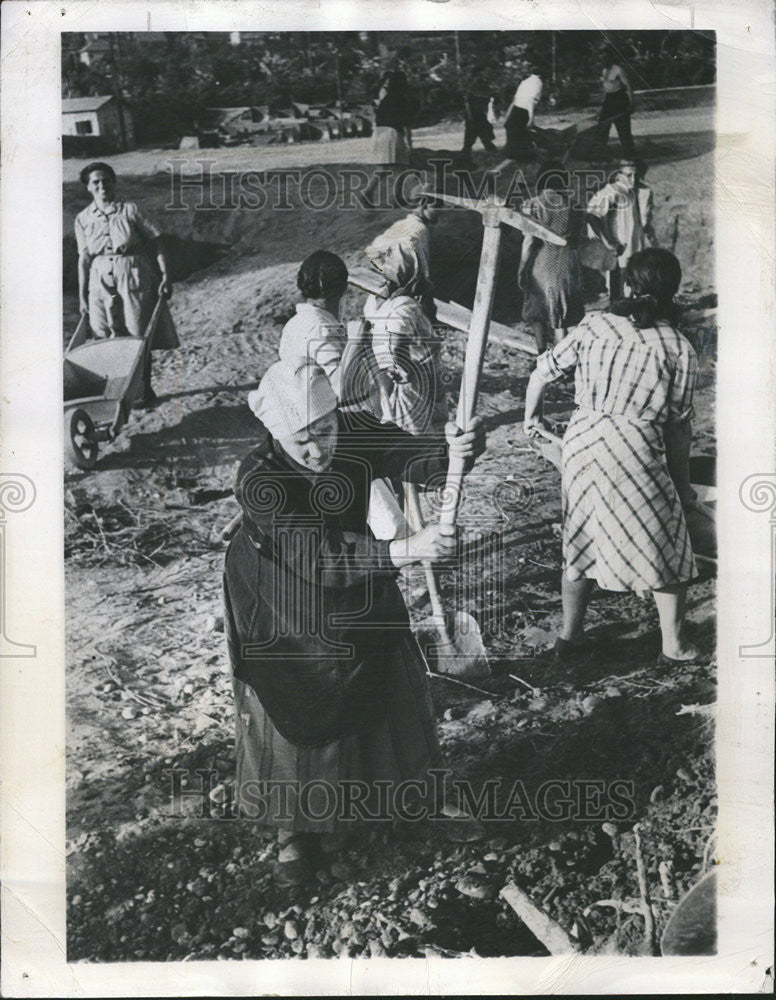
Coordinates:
(399,265)
(288,400)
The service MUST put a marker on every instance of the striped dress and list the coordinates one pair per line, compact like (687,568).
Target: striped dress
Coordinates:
(623,521)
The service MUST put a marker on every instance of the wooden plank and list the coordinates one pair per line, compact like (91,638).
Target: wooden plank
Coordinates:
(453,314)
(551,934)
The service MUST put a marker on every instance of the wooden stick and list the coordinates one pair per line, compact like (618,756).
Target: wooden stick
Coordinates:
(551,934)
(646,906)
(475,355)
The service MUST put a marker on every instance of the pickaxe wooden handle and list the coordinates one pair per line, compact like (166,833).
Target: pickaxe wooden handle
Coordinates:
(494,212)
(475,354)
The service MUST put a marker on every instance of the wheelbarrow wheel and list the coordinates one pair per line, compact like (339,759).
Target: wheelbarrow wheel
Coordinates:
(83,447)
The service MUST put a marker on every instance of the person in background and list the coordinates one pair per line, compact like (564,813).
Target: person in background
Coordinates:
(645,200)
(550,276)
(329,683)
(478,104)
(405,344)
(618,104)
(625,455)
(317,335)
(520,117)
(392,138)
(614,217)
(411,234)
(117,284)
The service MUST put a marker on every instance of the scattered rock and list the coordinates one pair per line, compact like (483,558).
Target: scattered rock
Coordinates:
(218,795)
(128,713)
(290,930)
(475,887)
(214,623)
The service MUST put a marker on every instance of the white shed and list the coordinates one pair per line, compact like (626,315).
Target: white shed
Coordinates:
(98,116)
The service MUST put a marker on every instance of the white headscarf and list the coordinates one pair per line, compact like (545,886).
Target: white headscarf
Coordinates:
(288,400)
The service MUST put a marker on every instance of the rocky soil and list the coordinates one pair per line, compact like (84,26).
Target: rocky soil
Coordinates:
(156,873)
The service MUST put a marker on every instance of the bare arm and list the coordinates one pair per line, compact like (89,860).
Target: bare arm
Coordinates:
(534,395)
(161,259)
(84,265)
(678,438)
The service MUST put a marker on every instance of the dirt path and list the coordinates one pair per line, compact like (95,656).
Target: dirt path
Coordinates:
(151,876)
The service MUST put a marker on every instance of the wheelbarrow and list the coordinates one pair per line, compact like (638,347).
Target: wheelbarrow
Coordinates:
(102,379)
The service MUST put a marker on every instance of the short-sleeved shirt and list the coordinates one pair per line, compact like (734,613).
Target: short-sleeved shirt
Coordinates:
(314,336)
(121,229)
(621,209)
(528,94)
(645,375)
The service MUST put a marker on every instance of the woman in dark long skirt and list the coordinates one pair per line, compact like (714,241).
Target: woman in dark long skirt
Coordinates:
(333,713)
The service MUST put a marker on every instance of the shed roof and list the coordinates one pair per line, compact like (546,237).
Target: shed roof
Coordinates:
(81,104)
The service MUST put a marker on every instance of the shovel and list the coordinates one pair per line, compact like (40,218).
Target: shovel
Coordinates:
(460,651)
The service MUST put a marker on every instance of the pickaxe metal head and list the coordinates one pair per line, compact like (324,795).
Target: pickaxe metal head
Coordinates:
(494,212)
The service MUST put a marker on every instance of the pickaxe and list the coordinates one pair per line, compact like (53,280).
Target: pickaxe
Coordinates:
(494,214)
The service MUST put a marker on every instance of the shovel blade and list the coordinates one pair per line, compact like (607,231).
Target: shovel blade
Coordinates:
(462,653)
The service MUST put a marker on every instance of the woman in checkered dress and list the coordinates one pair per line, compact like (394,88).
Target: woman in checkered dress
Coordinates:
(625,453)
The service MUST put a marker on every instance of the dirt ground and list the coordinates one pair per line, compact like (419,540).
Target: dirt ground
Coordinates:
(152,876)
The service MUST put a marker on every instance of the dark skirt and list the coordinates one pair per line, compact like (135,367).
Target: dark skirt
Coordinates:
(519,145)
(312,793)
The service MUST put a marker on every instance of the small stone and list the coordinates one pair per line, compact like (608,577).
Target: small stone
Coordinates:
(347,930)
(214,623)
(270,940)
(589,703)
(270,919)
(240,932)
(338,946)
(218,795)
(290,930)
(188,689)
(475,888)
(128,713)
(612,692)
(418,917)
(684,775)
(490,856)
(75,901)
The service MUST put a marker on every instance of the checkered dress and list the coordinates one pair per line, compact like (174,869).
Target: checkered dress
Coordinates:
(623,520)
